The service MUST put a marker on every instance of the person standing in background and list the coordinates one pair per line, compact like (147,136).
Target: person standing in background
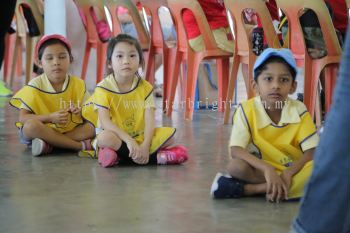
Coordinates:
(7,11)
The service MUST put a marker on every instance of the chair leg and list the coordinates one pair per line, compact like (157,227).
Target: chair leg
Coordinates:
(150,72)
(85,60)
(318,109)
(250,92)
(331,72)
(169,56)
(231,88)
(101,51)
(30,42)
(9,44)
(173,83)
(14,59)
(223,66)
(312,75)
(247,77)
(192,75)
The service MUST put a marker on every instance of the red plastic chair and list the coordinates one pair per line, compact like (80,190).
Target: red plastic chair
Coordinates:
(243,43)
(92,40)
(313,67)
(159,46)
(212,51)
(21,32)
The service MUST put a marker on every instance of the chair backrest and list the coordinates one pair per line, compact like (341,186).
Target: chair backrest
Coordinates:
(292,10)
(20,20)
(153,7)
(113,5)
(242,34)
(86,7)
(176,8)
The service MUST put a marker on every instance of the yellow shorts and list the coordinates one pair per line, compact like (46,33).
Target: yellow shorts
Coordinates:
(220,35)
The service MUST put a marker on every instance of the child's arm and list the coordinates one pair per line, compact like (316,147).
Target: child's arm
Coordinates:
(60,117)
(107,124)
(148,135)
(276,188)
(288,174)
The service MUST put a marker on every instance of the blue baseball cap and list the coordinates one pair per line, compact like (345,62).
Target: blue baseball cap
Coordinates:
(285,54)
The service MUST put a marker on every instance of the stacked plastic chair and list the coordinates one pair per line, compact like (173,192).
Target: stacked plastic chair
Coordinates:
(142,33)
(158,45)
(22,32)
(92,39)
(243,43)
(211,51)
(313,67)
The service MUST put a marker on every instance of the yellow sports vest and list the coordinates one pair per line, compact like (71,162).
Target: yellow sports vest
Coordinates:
(278,145)
(127,111)
(281,145)
(41,102)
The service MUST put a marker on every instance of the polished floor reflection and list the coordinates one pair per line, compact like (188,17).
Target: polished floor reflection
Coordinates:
(65,193)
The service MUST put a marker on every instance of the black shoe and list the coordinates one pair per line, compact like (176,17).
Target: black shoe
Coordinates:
(225,186)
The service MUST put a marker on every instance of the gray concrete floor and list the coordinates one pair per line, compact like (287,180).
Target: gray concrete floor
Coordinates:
(65,193)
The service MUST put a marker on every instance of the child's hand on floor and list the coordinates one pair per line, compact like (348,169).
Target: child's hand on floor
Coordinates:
(276,188)
(59,117)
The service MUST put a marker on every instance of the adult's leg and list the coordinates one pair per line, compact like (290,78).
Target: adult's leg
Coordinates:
(326,204)
(7,10)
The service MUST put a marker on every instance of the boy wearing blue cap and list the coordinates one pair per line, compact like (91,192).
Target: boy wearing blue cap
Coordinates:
(273,137)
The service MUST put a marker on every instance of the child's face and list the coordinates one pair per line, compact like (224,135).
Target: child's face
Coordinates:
(125,60)
(274,84)
(55,62)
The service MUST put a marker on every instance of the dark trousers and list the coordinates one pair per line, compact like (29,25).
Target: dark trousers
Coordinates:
(325,208)
(7,10)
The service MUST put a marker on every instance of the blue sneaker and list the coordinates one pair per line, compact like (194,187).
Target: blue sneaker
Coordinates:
(225,186)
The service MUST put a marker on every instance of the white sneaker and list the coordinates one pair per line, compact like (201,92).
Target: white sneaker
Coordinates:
(40,147)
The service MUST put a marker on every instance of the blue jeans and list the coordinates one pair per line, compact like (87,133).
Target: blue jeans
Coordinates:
(325,208)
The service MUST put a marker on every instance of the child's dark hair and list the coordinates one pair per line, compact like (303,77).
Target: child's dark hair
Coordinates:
(272,59)
(123,38)
(52,42)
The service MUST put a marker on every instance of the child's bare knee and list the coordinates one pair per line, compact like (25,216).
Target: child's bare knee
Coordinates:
(237,167)
(32,128)
(107,139)
(90,130)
